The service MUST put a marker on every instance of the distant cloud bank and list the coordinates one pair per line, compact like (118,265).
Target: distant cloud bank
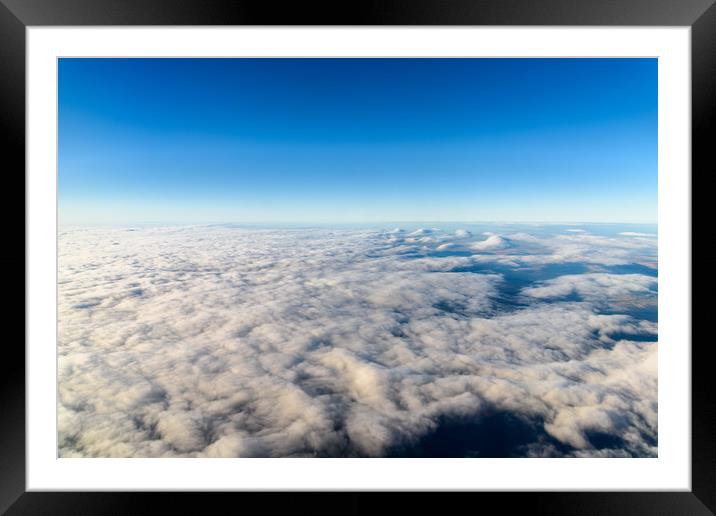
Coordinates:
(229,342)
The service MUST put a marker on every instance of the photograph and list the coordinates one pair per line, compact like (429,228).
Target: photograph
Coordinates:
(357,257)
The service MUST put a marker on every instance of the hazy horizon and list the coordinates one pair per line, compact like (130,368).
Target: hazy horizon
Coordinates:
(282,223)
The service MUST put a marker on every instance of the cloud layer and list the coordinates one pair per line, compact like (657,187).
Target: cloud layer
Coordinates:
(230,342)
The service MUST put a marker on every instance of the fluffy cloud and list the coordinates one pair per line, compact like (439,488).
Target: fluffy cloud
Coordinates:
(531,250)
(231,342)
(636,234)
(595,286)
(492,242)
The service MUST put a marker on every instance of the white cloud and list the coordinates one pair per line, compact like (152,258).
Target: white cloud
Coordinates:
(424,231)
(635,234)
(582,248)
(491,243)
(594,286)
(222,341)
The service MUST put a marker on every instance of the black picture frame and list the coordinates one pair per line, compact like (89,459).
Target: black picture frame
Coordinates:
(16,15)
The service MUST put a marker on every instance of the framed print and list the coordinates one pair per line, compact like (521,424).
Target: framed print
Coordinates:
(411,249)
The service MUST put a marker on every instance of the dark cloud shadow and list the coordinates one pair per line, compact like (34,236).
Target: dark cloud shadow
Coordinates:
(496,434)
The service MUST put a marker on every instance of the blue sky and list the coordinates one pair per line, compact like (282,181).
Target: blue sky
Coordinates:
(357,140)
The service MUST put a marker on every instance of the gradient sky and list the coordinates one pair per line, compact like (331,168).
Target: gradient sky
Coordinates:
(357,140)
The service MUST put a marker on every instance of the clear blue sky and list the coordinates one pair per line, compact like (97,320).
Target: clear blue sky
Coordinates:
(357,140)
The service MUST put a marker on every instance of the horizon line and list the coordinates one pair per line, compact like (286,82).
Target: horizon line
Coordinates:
(345,223)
